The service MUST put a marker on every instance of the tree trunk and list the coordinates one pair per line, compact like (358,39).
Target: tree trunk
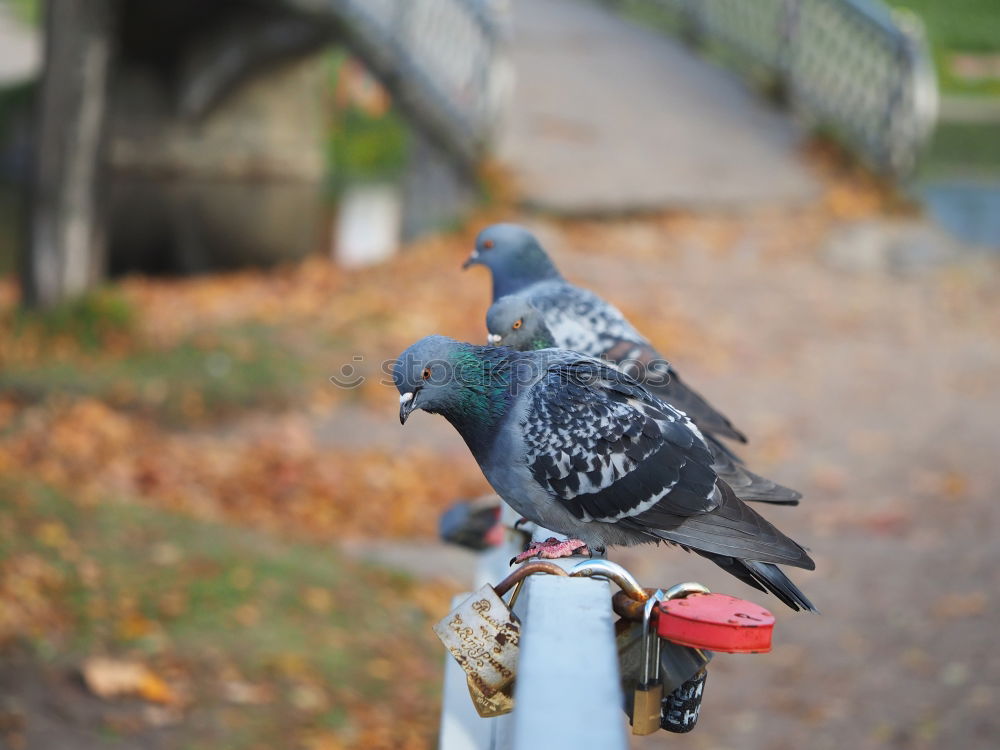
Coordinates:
(65,245)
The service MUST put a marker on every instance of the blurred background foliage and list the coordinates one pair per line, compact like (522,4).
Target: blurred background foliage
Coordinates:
(368,138)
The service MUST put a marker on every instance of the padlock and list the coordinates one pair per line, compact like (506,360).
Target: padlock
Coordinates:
(682,706)
(678,663)
(483,634)
(501,703)
(647,697)
(716,622)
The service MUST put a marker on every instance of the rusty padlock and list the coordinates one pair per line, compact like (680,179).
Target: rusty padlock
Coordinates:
(483,636)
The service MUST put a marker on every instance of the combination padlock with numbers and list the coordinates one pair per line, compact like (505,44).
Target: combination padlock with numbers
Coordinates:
(483,635)
(682,706)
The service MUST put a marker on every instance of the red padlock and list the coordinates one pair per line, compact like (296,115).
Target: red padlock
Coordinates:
(716,622)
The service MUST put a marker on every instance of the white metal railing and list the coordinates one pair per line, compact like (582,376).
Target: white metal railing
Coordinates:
(443,61)
(567,631)
(850,66)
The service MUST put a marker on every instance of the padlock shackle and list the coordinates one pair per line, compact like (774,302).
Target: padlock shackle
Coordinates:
(680,590)
(630,608)
(601,568)
(529,568)
(648,636)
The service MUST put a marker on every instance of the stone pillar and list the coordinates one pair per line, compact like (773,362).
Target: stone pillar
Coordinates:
(241,185)
(64,252)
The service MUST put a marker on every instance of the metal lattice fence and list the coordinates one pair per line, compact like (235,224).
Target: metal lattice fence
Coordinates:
(443,61)
(849,66)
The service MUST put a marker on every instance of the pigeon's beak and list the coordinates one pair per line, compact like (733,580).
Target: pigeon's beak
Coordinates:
(406,406)
(472,260)
(493,339)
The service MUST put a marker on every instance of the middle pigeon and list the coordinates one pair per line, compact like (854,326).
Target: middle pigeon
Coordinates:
(581,321)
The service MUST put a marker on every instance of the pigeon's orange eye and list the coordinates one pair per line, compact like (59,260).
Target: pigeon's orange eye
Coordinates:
(426,374)
(488,244)
(518,323)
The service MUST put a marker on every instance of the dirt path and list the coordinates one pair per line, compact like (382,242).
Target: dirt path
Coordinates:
(648,126)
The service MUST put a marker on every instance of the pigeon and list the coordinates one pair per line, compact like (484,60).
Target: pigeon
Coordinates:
(581,448)
(513,321)
(581,321)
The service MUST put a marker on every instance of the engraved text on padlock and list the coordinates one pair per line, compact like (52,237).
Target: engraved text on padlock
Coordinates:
(483,635)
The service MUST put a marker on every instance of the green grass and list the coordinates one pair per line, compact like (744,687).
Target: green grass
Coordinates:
(89,319)
(957,26)
(214,575)
(209,374)
(963,150)
(26,11)
(365,148)
(967,25)
(362,147)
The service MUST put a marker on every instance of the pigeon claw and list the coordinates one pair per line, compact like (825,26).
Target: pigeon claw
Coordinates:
(552,549)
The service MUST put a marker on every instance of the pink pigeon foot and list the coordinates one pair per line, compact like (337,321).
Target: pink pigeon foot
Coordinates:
(552,549)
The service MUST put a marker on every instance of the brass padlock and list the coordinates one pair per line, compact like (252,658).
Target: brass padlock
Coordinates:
(647,698)
(483,635)
(501,703)
(678,663)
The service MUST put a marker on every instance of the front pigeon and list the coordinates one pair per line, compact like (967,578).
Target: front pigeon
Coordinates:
(581,448)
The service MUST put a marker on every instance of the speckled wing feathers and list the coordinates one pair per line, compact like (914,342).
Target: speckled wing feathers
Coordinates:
(580,320)
(608,452)
(611,453)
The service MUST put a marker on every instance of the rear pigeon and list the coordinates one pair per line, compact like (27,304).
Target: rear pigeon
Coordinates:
(513,321)
(581,321)
(581,448)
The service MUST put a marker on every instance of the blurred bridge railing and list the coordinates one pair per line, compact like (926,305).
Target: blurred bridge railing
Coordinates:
(848,66)
(441,59)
